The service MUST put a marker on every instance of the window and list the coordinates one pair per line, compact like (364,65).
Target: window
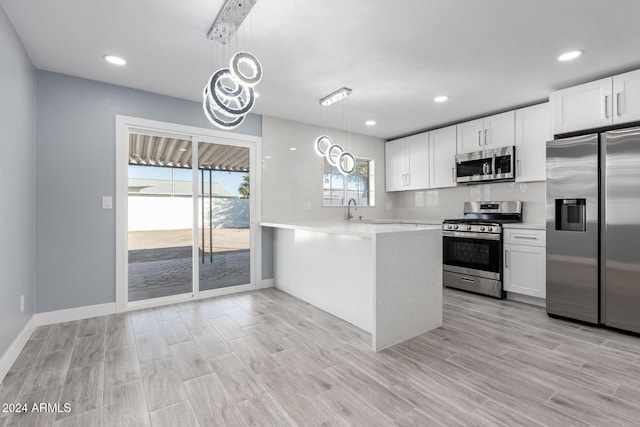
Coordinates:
(339,189)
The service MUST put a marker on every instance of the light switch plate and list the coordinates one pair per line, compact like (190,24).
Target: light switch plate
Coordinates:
(107,202)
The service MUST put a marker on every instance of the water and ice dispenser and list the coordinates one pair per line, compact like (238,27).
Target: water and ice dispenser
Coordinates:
(571,214)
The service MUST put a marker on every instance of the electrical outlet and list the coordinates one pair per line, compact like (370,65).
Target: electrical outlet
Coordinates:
(21,303)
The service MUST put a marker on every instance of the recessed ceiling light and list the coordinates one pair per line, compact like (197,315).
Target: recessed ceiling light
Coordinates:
(182,149)
(267,157)
(116,60)
(440,98)
(568,56)
(370,122)
(292,149)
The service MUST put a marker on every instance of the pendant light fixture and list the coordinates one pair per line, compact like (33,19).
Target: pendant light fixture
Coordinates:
(335,155)
(229,94)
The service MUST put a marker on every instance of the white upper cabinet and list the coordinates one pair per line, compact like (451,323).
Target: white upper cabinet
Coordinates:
(533,130)
(395,164)
(470,136)
(582,107)
(442,157)
(499,130)
(489,132)
(604,102)
(626,97)
(407,163)
(418,173)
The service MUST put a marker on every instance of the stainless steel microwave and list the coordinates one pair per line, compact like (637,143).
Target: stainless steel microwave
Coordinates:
(488,165)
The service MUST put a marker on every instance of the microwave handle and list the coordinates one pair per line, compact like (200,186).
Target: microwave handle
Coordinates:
(493,165)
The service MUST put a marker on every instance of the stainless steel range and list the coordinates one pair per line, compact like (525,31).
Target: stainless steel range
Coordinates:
(472,247)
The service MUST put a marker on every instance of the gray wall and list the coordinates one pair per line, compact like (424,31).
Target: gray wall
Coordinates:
(17,175)
(75,256)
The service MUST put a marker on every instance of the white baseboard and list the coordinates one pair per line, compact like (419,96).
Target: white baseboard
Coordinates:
(267,283)
(540,302)
(71,314)
(12,353)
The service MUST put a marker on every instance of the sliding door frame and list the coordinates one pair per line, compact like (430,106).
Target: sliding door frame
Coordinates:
(126,125)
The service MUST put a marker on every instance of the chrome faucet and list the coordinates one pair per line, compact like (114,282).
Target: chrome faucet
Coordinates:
(349,214)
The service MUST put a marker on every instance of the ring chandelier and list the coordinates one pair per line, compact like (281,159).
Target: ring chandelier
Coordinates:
(229,96)
(335,155)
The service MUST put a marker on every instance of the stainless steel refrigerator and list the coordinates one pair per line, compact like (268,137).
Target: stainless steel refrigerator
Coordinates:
(593,228)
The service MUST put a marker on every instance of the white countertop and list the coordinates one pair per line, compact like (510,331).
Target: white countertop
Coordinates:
(355,228)
(527,225)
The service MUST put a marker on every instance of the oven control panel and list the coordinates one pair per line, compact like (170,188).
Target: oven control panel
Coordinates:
(473,228)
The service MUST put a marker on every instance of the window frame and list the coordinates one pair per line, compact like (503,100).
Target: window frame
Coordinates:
(328,171)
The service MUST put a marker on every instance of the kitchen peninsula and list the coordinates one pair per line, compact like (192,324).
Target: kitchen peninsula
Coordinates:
(385,278)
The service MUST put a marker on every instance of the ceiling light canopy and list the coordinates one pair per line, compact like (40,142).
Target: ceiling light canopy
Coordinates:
(568,56)
(441,98)
(230,17)
(335,96)
(115,60)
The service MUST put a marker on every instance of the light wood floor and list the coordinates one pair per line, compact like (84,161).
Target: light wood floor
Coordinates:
(265,358)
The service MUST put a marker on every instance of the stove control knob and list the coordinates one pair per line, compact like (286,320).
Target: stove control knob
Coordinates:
(455,227)
(449,227)
(482,228)
(468,227)
(490,228)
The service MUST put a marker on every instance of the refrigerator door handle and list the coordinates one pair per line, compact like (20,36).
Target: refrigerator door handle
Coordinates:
(506,258)
(606,106)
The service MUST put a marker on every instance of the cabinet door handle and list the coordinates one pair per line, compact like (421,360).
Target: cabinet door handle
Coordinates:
(525,237)
(518,168)
(486,139)
(506,258)
(606,106)
(404,179)
(408,179)
(453,174)
(480,138)
(618,104)
(465,279)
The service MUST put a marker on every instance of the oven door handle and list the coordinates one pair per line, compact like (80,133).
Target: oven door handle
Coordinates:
(471,235)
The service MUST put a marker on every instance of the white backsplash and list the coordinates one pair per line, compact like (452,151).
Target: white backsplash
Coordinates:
(439,204)
(292,182)
(292,179)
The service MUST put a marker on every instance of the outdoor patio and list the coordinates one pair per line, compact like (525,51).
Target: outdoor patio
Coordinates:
(160,261)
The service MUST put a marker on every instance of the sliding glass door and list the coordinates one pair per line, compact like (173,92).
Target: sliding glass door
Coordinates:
(160,226)
(188,216)
(224,218)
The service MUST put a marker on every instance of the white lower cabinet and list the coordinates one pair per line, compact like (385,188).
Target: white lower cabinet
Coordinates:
(525,262)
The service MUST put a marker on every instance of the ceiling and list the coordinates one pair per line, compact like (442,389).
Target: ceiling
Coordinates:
(486,55)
